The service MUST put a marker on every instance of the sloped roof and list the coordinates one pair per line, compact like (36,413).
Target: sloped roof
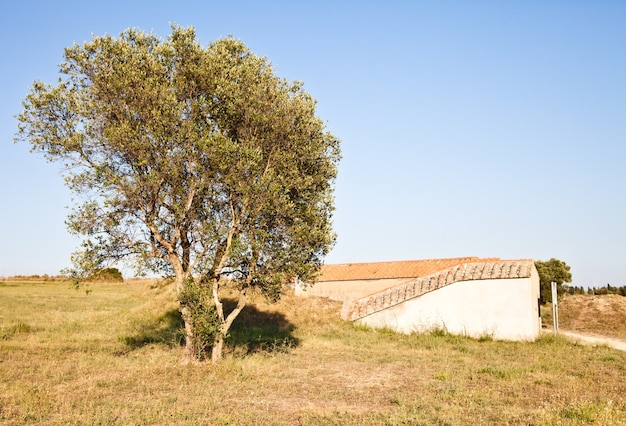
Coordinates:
(471,269)
(388,270)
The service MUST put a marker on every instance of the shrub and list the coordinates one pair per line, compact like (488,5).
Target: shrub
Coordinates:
(107,275)
(202,317)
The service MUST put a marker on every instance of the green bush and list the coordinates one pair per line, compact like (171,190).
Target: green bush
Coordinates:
(201,315)
(553,270)
(107,275)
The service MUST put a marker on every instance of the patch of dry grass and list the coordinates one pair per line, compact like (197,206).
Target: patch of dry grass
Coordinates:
(602,315)
(112,357)
(595,314)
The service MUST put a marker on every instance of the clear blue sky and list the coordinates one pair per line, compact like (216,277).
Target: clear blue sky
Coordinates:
(483,128)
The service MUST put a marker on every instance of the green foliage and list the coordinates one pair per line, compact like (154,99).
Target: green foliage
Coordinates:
(571,290)
(499,373)
(598,291)
(191,161)
(107,275)
(200,314)
(553,270)
(608,289)
(586,412)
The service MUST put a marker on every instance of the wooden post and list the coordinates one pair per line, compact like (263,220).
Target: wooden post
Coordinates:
(555,309)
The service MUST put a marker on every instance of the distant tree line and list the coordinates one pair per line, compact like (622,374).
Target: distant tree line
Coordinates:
(555,270)
(100,275)
(608,289)
(44,277)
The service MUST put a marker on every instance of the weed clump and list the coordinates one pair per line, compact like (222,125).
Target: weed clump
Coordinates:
(14,330)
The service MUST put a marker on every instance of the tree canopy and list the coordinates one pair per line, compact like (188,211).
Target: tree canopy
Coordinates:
(552,270)
(189,161)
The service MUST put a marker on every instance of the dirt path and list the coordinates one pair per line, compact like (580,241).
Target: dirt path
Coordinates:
(593,339)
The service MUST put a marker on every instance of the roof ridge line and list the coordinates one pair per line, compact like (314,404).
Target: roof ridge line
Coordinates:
(400,270)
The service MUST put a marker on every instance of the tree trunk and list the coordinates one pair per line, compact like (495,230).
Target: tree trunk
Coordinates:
(190,339)
(190,347)
(217,349)
(218,344)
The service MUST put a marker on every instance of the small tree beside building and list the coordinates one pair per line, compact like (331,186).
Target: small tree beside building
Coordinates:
(550,271)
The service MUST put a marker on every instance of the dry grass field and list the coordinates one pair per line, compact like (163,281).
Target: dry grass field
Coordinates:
(112,357)
(603,315)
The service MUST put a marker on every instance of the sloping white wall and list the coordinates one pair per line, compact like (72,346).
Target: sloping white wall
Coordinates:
(504,309)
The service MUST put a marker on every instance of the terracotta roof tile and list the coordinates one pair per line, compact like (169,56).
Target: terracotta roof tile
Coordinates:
(387,270)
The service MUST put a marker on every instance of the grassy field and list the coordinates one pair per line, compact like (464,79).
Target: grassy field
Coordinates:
(113,357)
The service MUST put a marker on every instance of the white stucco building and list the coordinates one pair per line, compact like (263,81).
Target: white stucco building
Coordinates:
(469,296)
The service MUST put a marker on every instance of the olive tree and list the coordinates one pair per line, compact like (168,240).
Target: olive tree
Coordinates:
(189,161)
